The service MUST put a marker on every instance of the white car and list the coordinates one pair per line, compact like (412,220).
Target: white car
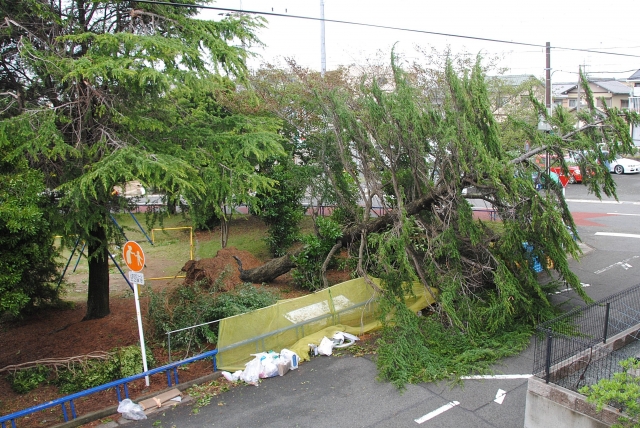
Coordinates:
(623,165)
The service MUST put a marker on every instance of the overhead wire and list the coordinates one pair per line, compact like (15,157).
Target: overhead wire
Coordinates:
(386,27)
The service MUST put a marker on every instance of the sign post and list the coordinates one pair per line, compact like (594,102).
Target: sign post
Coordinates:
(134,258)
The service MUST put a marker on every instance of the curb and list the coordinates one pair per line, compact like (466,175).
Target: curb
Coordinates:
(99,414)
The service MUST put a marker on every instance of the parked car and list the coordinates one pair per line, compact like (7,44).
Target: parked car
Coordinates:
(622,165)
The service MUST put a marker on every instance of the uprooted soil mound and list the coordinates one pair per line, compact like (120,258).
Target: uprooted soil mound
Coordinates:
(222,268)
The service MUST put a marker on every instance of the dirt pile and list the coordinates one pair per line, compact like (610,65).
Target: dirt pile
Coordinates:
(223,268)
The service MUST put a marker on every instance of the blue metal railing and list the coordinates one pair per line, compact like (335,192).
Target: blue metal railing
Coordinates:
(168,369)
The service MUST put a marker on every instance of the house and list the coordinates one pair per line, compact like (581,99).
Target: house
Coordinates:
(511,92)
(614,93)
(634,103)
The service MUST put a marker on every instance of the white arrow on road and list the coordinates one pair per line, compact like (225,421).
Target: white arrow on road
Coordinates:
(500,396)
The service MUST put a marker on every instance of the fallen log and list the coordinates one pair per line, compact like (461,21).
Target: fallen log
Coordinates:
(281,265)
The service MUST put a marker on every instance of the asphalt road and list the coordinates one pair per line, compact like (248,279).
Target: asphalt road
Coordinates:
(344,392)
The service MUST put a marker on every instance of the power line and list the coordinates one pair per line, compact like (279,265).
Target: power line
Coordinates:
(337,21)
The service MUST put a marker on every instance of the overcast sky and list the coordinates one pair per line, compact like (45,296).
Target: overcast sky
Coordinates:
(576,24)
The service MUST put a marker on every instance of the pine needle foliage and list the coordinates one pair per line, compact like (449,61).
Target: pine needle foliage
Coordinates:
(97,93)
(418,149)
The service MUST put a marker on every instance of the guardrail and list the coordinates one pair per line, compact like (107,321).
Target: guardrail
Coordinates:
(62,402)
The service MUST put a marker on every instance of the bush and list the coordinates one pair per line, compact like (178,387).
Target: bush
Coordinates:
(622,391)
(281,209)
(200,303)
(123,362)
(308,271)
(24,381)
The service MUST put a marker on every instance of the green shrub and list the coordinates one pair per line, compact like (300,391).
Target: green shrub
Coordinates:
(24,381)
(200,303)
(307,273)
(123,362)
(28,267)
(621,391)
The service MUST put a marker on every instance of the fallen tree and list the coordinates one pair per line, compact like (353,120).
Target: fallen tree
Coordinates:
(281,265)
(421,148)
(418,147)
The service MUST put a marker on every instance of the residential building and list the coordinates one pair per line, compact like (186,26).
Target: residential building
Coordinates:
(611,92)
(634,103)
(511,92)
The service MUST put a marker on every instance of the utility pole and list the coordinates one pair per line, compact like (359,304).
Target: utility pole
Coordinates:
(547,95)
(323,53)
(548,78)
(579,81)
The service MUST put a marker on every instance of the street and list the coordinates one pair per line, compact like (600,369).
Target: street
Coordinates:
(344,392)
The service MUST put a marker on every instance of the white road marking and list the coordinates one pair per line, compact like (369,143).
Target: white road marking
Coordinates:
(436,412)
(622,214)
(592,201)
(621,235)
(624,262)
(569,289)
(498,376)
(500,396)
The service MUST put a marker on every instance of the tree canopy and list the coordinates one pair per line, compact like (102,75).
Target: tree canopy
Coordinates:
(98,93)
(421,147)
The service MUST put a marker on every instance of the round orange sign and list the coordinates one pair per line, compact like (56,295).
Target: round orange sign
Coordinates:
(133,256)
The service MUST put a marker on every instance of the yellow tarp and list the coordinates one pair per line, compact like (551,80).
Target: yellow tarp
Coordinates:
(295,323)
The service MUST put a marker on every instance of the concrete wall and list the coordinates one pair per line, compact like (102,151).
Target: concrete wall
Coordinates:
(550,405)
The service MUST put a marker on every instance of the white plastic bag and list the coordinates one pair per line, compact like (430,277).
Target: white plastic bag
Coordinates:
(326,346)
(232,377)
(131,410)
(268,365)
(251,373)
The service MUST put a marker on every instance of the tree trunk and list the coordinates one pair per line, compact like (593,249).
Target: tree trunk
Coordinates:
(268,271)
(98,295)
(276,267)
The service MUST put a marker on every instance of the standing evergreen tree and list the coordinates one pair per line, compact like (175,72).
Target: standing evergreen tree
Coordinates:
(88,96)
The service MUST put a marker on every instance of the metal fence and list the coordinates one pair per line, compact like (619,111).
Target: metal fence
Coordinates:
(576,349)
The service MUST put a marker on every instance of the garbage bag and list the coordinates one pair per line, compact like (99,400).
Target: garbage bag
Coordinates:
(269,364)
(232,377)
(251,373)
(269,369)
(326,346)
(131,410)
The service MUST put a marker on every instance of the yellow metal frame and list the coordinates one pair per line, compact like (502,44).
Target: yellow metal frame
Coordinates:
(153,240)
